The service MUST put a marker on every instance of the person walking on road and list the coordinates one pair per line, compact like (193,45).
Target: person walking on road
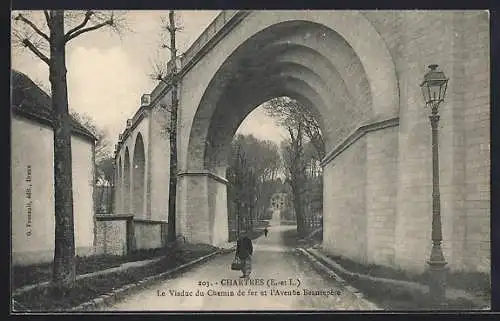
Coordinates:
(265,231)
(244,251)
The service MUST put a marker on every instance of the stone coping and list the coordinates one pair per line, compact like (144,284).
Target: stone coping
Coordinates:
(207,173)
(114,217)
(357,134)
(127,217)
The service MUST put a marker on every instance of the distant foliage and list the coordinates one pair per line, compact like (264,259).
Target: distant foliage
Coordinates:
(253,171)
(104,164)
(301,154)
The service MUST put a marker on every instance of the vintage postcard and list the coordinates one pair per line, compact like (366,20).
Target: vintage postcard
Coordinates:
(292,160)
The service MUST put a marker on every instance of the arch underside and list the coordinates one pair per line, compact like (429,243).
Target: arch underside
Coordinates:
(118,185)
(305,61)
(344,82)
(126,182)
(138,175)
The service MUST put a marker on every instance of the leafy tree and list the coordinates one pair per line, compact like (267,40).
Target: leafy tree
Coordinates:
(46,34)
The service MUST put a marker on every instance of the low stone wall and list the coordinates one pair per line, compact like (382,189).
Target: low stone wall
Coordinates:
(111,234)
(149,234)
(118,234)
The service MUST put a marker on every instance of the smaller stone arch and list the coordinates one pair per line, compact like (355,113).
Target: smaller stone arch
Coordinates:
(138,170)
(126,182)
(119,184)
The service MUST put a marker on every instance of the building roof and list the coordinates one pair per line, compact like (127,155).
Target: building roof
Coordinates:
(30,101)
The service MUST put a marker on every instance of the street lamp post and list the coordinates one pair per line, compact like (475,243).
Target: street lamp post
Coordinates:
(434,90)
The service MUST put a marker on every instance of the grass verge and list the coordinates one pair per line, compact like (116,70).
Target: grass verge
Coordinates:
(475,283)
(402,297)
(33,274)
(399,297)
(39,299)
(394,297)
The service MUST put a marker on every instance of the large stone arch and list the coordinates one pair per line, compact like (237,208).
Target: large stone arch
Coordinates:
(126,182)
(356,64)
(138,170)
(345,75)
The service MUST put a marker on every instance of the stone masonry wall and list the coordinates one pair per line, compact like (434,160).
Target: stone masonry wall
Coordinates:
(160,165)
(458,42)
(219,222)
(148,236)
(194,213)
(475,88)
(111,237)
(381,194)
(383,181)
(344,207)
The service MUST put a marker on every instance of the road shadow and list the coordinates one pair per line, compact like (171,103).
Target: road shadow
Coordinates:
(290,237)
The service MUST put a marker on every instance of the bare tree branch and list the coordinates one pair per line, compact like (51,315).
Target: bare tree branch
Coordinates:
(32,25)
(160,72)
(97,20)
(118,22)
(160,69)
(103,148)
(47,17)
(22,32)
(86,19)
(169,29)
(95,27)
(42,85)
(35,50)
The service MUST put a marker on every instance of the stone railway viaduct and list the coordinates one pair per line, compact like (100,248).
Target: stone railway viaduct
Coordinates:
(359,72)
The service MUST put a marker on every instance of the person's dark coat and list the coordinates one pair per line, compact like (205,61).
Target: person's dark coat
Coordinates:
(244,247)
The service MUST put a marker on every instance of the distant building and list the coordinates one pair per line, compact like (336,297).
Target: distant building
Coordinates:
(278,201)
(32,176)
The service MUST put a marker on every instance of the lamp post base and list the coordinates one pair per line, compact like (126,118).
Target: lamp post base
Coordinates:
(437,282)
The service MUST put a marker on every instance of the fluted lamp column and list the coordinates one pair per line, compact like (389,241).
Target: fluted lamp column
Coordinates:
(434,90)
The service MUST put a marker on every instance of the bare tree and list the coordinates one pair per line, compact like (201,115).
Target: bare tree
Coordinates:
(169,75)
(250,175)
(289,112)
(303,130)
(293,156)
(104,160)
(103,147)
(46,34)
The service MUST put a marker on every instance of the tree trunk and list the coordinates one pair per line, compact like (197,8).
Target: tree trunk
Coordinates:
(172,192)
(299,214)
(297,175)
(63,277)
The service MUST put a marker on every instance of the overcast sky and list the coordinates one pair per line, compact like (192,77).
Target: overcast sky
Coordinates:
(107,74)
